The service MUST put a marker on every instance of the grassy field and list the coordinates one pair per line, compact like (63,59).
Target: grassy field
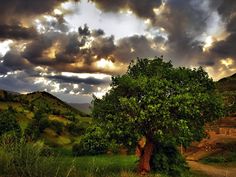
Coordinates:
(111,166)
(28,162)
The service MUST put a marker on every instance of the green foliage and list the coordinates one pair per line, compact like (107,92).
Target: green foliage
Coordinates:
(8,122)
(227,87)
(76,128)
(57,126)
(156,100)
(167,105)
(37,125)
(229,102)
(43,124)
(92,143)
(167,159)
(32,131)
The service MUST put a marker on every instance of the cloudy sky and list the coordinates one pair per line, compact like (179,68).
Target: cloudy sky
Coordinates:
(71,48)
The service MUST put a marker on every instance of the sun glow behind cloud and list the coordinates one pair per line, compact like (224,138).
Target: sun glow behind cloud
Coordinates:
(52,51)
(86,13)
(208,43)
(5,47)
(105,64)
(227,62)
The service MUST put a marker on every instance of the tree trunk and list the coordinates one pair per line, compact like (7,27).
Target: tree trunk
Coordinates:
(144,163)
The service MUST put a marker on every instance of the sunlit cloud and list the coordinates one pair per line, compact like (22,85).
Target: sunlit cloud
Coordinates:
(227,62)
(105,64)
(208,43)
(5,47)
(52,51)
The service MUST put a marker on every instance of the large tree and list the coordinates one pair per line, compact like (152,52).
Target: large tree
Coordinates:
(162,103)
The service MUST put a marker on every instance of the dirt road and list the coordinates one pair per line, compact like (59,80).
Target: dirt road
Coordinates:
(213,171)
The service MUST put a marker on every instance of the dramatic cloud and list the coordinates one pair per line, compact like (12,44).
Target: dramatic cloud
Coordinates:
(17,32)
(77,80)
(13,11)
(73,48)
(142,9)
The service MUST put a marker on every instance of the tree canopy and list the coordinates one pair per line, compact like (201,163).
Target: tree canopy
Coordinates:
(158,101)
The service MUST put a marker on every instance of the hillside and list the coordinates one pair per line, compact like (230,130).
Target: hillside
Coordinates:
(46,117)
(227,87)
(227,83)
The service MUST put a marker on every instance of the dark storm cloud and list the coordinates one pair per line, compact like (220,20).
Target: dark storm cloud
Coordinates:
(226,7)
(15,10)
(84,31)
(66,46)
(20,82)
(3,69)
(16,32)
(60,51)
(103,46)
(143,9)
(14,61)
(98,32)
(34,50)
(77,80)
(183,22)
(231,26)
(226,48)
(208,62)
(132,47)
(14,13)
(58,23)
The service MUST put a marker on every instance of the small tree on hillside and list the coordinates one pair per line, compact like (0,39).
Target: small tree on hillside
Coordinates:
(162,103)
(8,122)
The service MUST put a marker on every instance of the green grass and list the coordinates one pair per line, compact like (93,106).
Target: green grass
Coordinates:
(108,166)
(59,119)
(27,160)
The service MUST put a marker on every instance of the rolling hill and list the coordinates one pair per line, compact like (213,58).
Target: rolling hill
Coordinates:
(227,87)
(59,124)
(227,84)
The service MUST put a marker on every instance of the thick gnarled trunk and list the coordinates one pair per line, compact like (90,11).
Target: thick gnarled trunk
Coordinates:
(145,157)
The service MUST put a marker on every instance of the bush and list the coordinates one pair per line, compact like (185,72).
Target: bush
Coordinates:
(32,132)
(92,143)
(168,160)
(8,122)
(76,128)
(43,124)
(57,126)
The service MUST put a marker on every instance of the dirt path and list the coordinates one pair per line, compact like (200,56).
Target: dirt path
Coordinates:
(213,171)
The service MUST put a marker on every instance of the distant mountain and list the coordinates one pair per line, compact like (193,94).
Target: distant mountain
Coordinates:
(227,83)
(83,107)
